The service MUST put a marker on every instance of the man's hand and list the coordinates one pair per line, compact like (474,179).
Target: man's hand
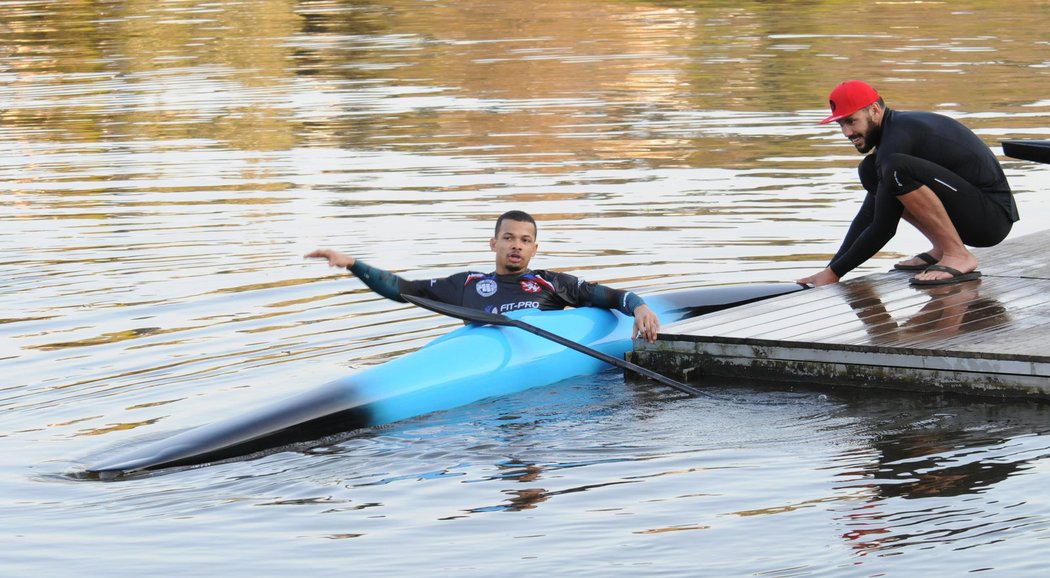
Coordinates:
(646,323)
(335,258)
(825,277)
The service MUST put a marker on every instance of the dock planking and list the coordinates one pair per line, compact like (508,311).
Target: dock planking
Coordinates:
(988,337)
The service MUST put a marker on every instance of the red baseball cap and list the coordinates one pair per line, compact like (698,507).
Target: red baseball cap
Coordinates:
(848,98)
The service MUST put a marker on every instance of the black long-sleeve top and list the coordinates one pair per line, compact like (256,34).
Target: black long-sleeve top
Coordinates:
(501,293)
(936,138)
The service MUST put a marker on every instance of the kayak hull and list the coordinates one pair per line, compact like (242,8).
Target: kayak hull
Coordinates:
(1029,150)
(464,366)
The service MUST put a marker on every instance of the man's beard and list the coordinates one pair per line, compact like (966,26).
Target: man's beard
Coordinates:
(514,267)
(871,139)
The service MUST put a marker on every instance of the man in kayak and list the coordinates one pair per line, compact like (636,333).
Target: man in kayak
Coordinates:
(931,171)
(511,286)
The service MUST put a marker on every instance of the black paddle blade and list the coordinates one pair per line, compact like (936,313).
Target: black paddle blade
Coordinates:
(458,311)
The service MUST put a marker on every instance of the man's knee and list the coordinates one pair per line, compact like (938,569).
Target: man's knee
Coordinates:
(869,176)
(898,174)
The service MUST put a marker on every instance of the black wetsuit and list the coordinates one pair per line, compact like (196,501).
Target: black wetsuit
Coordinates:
(924,148)
(501,293)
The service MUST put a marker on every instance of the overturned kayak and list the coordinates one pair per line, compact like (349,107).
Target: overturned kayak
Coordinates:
(466,365)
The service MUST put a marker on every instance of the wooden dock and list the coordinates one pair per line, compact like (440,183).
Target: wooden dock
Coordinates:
(988,337)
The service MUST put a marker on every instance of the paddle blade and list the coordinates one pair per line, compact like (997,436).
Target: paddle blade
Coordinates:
(459,312)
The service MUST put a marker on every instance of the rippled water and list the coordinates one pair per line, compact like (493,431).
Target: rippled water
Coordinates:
(164,166)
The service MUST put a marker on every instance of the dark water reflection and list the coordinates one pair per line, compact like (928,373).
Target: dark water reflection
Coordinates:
(944,458)
(164,165)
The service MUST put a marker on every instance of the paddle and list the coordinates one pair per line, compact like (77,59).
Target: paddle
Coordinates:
(485,317)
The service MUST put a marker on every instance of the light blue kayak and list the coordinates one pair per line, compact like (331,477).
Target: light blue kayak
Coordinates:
(466,365)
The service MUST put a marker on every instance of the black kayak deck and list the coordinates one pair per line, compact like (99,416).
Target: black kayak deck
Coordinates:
(1028,150)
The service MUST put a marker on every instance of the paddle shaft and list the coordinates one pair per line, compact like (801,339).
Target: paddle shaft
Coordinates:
(616,361)
(476,316)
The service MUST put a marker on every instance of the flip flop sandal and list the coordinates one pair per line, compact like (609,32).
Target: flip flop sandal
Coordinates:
(956,276)
(924,256)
